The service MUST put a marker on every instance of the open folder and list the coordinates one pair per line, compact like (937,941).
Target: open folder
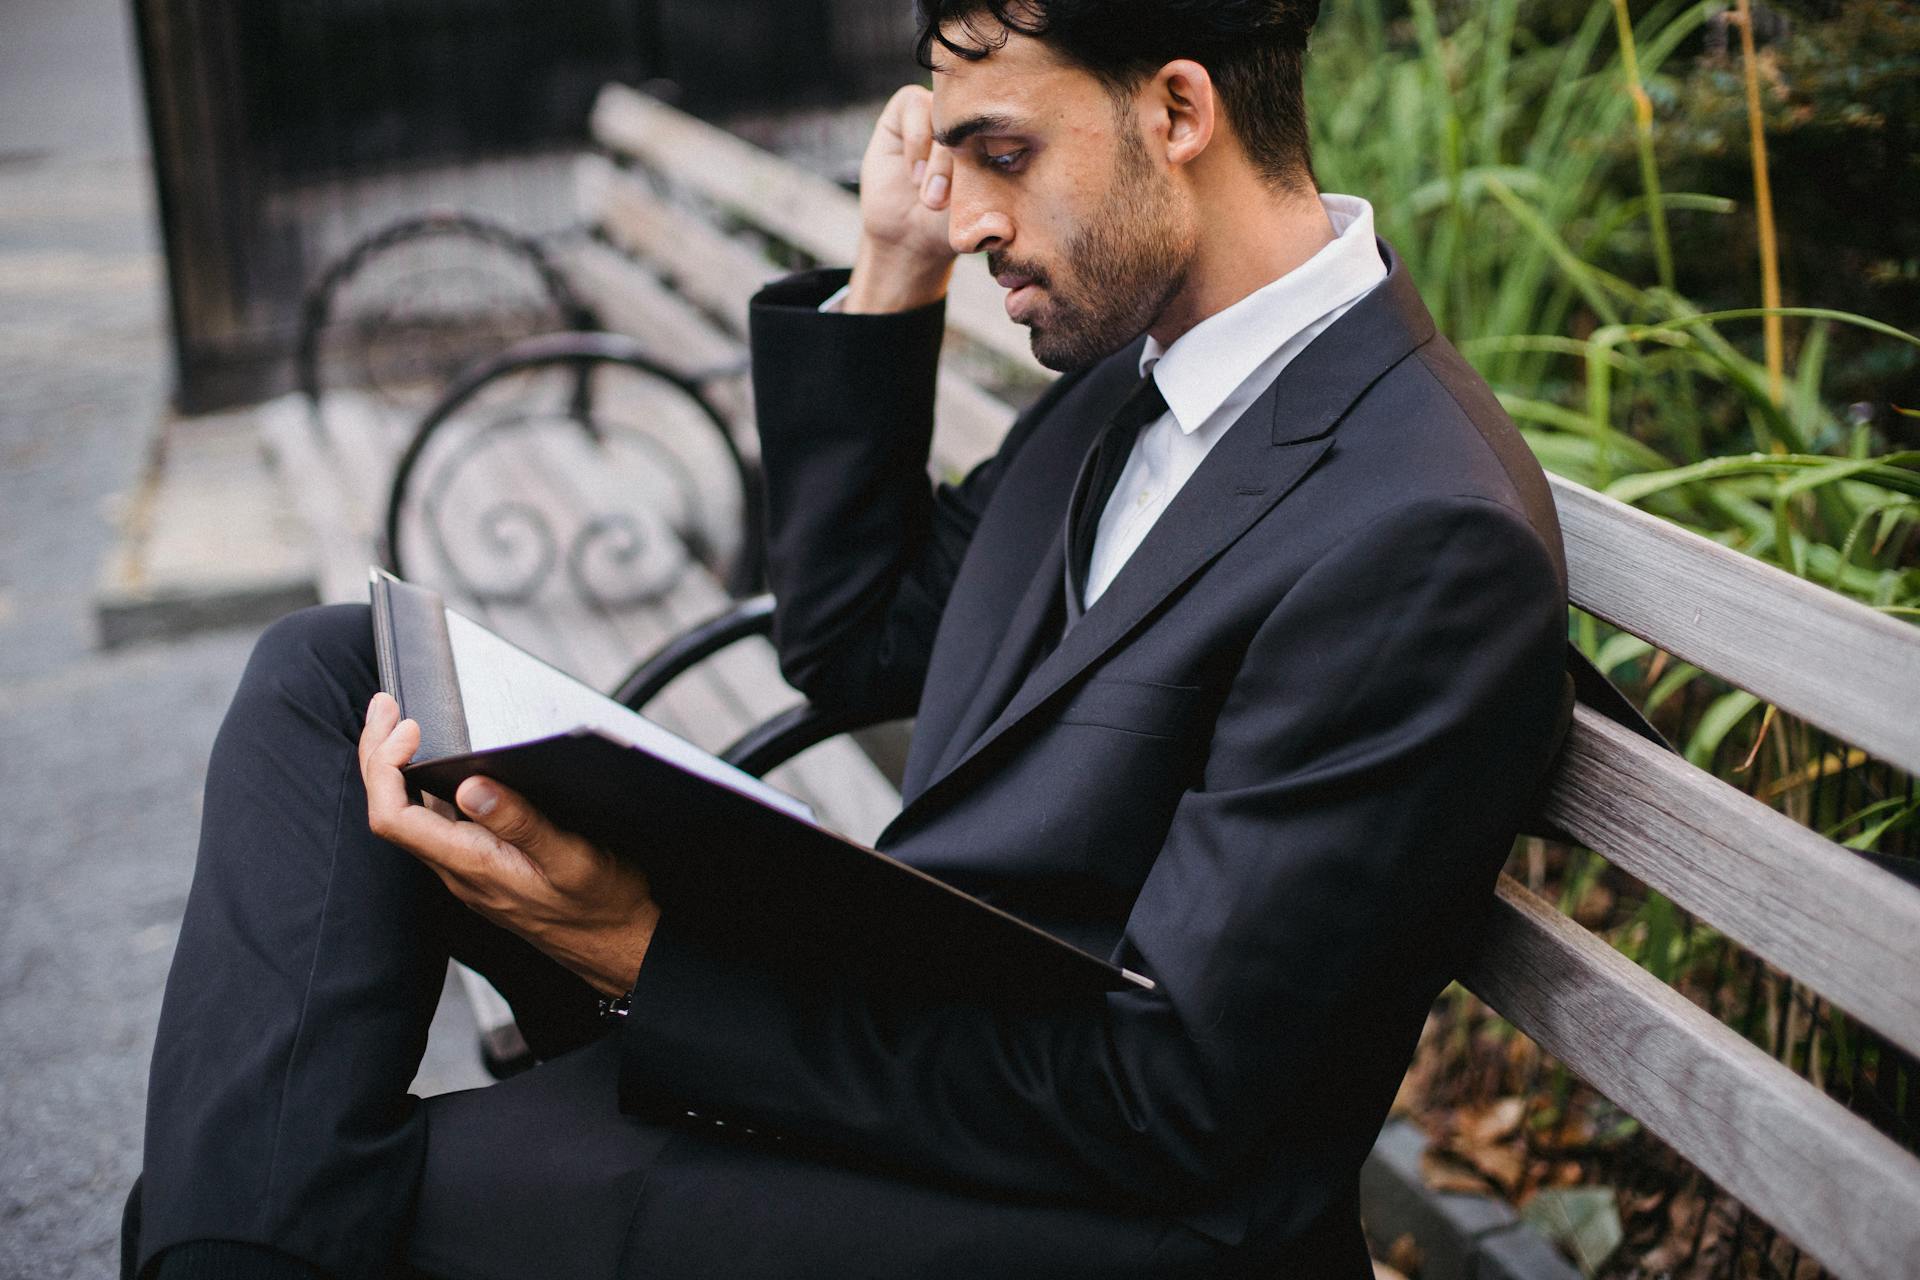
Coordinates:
(714,841)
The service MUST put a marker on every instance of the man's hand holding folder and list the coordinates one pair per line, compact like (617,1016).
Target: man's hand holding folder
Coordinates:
(598,812)
(591,912)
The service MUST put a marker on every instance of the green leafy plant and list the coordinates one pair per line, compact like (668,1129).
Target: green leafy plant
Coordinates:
(1518,169)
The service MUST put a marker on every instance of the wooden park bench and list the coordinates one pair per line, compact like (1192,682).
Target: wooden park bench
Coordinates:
(693,221)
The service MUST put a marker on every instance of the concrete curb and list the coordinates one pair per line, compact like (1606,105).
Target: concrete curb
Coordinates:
(1461,1237)
(129,619)
(208,540)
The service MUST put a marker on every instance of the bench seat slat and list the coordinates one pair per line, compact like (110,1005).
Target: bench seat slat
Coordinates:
(1828,660)
(1812,908)
(1797,1158)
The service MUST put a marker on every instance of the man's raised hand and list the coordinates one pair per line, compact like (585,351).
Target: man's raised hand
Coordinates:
(573,900)
(906,178)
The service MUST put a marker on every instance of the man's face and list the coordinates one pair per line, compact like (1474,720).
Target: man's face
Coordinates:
(1055,183)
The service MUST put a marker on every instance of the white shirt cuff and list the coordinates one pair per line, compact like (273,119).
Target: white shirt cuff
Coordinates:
(839,297)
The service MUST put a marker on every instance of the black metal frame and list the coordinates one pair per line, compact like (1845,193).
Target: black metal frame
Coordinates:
(316,309)
(583,351)
(767,745)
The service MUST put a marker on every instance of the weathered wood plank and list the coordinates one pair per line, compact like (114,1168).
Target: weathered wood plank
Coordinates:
(342,543)
(1834,663)
(801,208)
(721,275)
(631,300)
(715,271)
(968,425)
(1794,1156)
(1816,910)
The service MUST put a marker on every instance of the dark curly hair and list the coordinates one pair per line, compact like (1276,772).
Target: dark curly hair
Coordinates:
(1253,49)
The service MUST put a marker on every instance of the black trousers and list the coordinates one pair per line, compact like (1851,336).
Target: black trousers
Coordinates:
(309,962)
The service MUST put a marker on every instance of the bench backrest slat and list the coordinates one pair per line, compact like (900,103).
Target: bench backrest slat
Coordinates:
(1790,1153)
(1820,912)
(722,274)
(801,208)
(713,269)
(1834,663)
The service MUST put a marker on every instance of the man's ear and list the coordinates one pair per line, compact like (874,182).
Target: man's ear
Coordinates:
(1182,93)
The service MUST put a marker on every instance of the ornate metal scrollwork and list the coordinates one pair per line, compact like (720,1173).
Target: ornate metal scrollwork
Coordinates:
(501,501)
(401,313)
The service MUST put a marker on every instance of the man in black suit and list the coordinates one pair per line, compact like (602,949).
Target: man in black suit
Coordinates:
(1240,663)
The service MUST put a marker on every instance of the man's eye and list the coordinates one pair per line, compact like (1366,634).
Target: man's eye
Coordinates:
(1005,161)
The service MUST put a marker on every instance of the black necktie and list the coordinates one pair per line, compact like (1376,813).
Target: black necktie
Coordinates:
(1098,475)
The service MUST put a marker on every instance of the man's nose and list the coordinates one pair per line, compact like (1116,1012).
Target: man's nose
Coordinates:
(975,225)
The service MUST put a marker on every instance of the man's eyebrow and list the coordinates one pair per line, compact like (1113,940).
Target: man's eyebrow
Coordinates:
(991,122)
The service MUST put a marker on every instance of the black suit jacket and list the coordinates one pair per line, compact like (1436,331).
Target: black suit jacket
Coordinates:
(1276,767)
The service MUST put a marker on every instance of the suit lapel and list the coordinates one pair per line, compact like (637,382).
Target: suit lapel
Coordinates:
(1012,656)
(1256,463)
(995,614)
(1220,502)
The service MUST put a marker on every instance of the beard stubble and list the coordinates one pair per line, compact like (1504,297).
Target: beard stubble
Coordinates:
(1122,267)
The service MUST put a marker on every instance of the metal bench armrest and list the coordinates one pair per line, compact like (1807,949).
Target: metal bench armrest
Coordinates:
(786,735)
(768,745)
(750,617)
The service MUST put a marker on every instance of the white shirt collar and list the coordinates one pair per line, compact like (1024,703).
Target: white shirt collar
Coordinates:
(1206,364)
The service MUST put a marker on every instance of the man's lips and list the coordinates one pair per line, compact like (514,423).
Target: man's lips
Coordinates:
(1021,294)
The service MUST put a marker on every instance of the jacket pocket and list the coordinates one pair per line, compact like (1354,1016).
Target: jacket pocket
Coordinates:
(1136,706)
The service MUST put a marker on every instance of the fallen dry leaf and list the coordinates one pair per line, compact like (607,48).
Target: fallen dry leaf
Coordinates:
(1505,1165)
(1444,1171)
(1484,1126)
(1574,1132)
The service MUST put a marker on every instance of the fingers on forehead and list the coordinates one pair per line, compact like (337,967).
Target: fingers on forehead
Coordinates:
(916,134)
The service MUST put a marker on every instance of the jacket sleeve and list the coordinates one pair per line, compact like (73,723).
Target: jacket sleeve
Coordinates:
(862,547)
(1367,771)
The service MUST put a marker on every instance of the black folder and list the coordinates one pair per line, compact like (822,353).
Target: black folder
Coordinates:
(718,844)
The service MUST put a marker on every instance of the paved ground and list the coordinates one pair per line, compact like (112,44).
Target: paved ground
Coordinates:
(66,80)
(101,755)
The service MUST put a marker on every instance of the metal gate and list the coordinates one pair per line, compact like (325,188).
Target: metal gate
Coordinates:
(285,130)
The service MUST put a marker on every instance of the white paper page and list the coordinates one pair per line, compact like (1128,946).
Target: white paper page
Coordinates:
(511,696)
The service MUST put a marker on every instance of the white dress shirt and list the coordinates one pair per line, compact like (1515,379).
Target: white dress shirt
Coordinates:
(1216,370)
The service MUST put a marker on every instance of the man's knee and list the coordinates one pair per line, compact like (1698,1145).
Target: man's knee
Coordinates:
(321,660)
(331,630)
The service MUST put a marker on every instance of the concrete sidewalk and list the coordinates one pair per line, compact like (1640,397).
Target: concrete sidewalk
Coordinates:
(102,754)
(100,758)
